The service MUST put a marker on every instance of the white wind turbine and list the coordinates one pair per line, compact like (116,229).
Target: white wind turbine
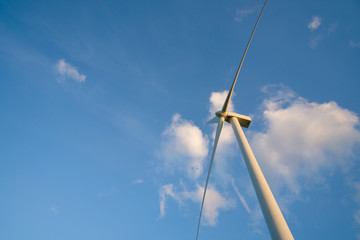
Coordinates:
(275,221)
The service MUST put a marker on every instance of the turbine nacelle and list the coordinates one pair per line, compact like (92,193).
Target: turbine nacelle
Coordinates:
(243,120)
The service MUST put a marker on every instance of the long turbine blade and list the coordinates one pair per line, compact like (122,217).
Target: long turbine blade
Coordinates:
(226,103)
(217,136)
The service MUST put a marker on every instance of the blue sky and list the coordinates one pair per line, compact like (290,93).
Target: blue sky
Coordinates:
(104,109)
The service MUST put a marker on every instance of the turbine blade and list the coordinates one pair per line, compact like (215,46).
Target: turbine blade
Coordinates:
(217,136)
(213,120)
(226,103)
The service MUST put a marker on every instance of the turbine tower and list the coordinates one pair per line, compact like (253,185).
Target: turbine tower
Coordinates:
(275,221)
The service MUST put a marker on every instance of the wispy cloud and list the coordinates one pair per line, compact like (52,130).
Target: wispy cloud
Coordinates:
(68,71)
(108,193)
(315,23)
(355,185)
(302,138)
(357,216)
(214,201)
(323,31)
(54,208)
(354,44)
(240,196)
(165,192)
(242,13)
(138,181)
(314,41)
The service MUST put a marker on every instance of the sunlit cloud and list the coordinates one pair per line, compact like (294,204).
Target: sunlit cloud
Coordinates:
(302,138)
(66,70)
(184,147)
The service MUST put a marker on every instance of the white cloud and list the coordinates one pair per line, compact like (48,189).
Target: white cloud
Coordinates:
(354,44)
(315,23)
(67,70)
(184,147)
(303,139)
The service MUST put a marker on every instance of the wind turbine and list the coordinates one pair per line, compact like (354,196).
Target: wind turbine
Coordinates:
(275,221)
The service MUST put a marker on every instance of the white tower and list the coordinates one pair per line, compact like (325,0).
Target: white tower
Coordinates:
(275,221)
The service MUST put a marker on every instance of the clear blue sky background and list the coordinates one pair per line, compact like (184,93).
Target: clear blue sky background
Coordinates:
(83,158)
